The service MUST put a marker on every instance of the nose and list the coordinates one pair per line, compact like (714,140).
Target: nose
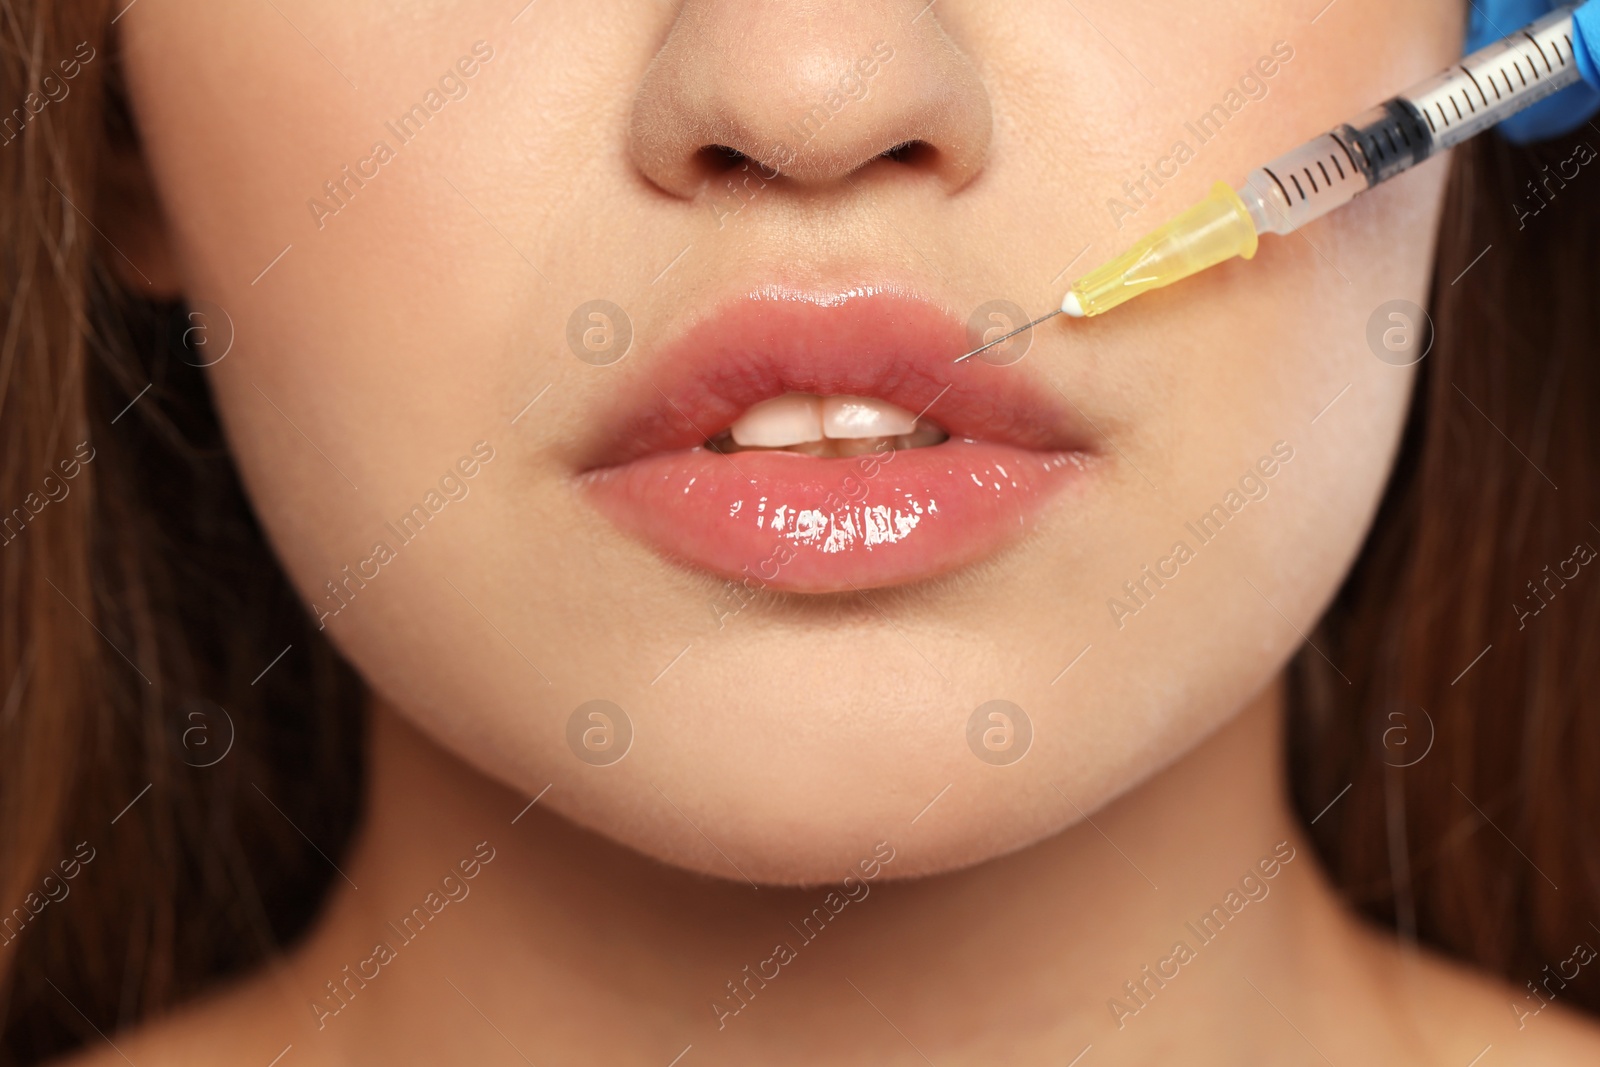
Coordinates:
(813,90)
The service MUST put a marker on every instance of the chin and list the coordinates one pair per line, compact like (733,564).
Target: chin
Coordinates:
(765,840)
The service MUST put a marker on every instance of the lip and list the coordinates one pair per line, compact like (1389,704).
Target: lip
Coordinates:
(820,525)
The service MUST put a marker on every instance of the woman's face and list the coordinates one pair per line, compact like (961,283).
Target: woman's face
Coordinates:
(491,284)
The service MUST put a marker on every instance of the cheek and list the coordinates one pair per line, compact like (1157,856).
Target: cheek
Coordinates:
(1201,381)
(386,303)
(1275,350)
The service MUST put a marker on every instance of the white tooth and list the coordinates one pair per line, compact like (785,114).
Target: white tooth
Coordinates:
(860,416)
(790,419)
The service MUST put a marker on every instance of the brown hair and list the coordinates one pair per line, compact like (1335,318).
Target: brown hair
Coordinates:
(1462,625)
(139,604)
(144,605)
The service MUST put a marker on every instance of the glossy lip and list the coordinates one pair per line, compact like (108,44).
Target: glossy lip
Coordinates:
(807,524)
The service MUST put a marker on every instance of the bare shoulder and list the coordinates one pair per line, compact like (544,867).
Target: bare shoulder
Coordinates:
(1467,1016)
(249,1022)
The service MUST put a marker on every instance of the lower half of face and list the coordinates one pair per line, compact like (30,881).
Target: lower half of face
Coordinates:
(591,375)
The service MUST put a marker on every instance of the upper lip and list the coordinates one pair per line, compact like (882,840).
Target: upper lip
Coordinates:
(888,344)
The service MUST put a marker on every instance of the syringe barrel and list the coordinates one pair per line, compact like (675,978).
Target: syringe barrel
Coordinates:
(1333,169)
(1481,91)
(1304,184)
(1497,81)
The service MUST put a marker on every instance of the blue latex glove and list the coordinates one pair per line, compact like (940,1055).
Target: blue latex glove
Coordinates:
(1571,107)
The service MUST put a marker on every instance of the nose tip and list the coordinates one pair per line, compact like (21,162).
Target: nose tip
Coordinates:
(813,92)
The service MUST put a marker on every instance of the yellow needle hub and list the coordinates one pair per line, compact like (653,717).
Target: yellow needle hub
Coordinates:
(1216,229)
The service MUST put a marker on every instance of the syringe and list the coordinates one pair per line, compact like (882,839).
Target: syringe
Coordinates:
(1485,88)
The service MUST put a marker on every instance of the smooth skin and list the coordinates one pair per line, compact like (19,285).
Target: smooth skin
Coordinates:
(779,749)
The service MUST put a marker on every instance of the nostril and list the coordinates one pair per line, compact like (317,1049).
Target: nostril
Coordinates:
(720,157)
(912,152)
(715,160)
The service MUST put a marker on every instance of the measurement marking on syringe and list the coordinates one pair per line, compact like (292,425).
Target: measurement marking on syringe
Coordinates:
(1297,187)
(1429,116)
(1279,184)
(1495,87)
(1348,154)
(1542,56)
(1336,165)
(1476,86)
(1324,169)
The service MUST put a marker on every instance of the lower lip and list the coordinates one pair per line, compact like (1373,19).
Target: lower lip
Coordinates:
(820,525)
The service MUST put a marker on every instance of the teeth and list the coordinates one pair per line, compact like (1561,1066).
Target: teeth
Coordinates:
(791,419)
(800,419)
(854,417)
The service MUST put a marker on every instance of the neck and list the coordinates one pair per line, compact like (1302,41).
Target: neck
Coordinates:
(1138,928)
